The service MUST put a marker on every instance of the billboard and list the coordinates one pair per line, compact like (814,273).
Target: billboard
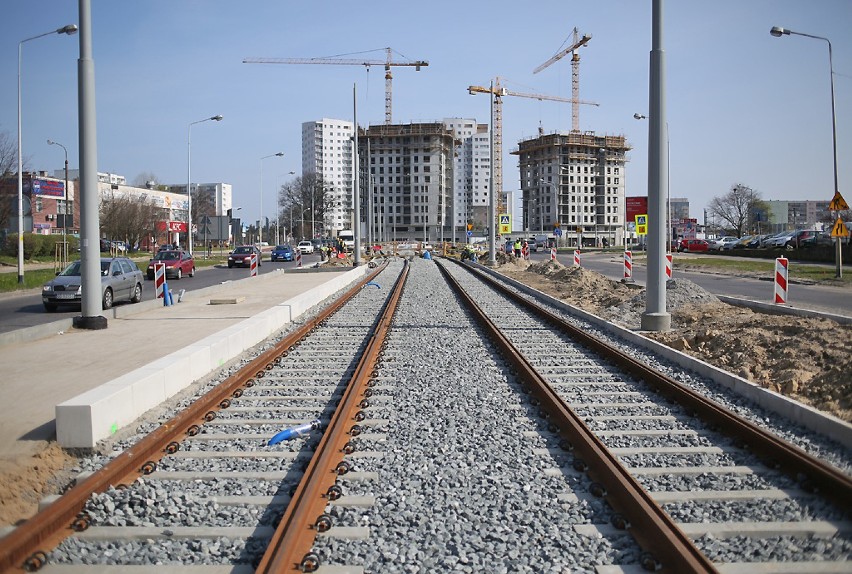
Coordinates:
(636,206)
(47,188)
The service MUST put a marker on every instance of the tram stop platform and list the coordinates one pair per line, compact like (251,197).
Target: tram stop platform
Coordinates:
(80,386)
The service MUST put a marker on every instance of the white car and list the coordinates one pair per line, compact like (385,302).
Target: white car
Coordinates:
(305,247)
(723,243)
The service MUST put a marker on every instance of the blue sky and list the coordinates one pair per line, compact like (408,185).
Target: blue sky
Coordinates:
(743,106)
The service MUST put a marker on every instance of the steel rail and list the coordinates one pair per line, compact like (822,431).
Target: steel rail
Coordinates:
(24,548)
(289,549)
(669,548)
(812,474)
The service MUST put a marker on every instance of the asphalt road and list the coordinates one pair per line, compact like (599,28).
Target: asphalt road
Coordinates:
(25,310)
(835,300)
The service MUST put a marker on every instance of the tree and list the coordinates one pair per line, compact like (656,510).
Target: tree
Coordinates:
(8,155)
(127,217)
(305,196)
(737,209)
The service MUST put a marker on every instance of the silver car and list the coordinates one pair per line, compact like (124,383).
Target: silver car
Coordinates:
(121,280)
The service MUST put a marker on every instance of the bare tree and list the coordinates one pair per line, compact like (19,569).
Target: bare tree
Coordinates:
(307,197)
(8,155)
(736,209)
(146,177)
(127,217)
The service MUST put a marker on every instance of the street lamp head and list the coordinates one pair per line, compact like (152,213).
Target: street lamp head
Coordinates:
(50,142)
(638,116)
(778,31)
(280,154)
(216,118)
(69,29)
(292,173)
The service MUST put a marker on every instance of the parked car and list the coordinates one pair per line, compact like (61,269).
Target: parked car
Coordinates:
(782,240)
(532,244)
(306,247)
(723,243)
(282,253)
(178,264)
(694,246)
(742,243)
(241,256)
(121,280)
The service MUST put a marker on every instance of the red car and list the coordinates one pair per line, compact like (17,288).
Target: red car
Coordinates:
(178,263)
(693,245)
(241,256)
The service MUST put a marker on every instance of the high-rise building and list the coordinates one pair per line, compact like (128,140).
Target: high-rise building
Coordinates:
(471,172)
(327,155)
(575,180)
(407,182)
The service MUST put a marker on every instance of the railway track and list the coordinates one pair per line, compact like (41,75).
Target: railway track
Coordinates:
(450,448)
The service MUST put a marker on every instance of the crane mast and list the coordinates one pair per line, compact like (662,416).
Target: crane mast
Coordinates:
(498,91)
(388,62)
(575,74)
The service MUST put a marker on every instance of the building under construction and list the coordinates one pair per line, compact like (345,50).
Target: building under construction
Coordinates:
(409,184)
(572,185)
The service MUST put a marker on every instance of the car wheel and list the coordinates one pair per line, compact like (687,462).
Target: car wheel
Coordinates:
(50,307)
(137,294)
(179,274)
(107,304)
(192,272)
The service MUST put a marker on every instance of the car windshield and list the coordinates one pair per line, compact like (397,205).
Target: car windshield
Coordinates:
(244,249)
(72,270)
(167,256)
(282,248)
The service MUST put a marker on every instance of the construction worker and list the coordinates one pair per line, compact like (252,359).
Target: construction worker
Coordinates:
(518,247)
(525,250)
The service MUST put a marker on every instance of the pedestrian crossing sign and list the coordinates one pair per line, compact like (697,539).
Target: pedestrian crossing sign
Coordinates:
(642,224)
(505,223)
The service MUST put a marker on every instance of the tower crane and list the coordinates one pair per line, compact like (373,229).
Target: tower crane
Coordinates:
(387,63)
(497,122)
(575,75)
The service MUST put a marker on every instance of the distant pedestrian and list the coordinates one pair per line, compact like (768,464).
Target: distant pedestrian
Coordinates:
(518,248)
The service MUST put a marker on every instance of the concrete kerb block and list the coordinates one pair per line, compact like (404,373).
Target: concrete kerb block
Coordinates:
(94,415)
(806,416)
(100,412)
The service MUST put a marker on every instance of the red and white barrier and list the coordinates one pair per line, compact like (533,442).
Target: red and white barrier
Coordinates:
(628,265)
(668,265)
(781,279)
(553,254)
(576,258)
(159,278)
(298,258)
(253,265)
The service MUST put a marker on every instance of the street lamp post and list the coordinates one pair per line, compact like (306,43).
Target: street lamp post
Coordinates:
(189,178)
(69,29)
(304,211)
(260,230)
(777,31)
(65,203)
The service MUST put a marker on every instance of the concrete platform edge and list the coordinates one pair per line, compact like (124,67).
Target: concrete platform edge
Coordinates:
(802,414)
(98,413)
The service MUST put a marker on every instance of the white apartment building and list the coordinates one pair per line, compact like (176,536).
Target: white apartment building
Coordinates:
(327,153)
(576,180)
(471,172)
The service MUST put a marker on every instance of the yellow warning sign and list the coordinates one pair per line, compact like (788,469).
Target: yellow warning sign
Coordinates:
(469,226)
(505,223)
(642,224)
(839,229)
(838,203)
